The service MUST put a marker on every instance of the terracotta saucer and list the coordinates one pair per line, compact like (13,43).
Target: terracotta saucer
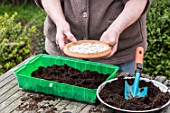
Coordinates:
(87,55)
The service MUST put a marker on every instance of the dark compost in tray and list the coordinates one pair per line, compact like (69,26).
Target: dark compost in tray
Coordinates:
(69,75)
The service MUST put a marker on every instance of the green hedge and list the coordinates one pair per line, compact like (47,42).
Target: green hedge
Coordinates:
(157,57)
(14,42)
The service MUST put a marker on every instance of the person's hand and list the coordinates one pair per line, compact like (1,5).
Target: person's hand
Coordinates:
(111,37)
(64,34)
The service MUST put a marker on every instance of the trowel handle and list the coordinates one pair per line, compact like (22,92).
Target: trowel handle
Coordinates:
(139,58)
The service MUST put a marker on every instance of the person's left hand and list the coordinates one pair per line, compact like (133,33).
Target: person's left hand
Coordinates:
(111,37)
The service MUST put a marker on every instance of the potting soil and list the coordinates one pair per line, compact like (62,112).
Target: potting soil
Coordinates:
(113,94)
(69,75)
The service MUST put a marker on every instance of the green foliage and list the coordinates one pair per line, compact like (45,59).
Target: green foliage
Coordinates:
(30,15)
(15,2)
(14,42)
(157,57)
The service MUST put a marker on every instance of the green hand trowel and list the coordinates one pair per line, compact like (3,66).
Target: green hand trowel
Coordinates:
(133,90)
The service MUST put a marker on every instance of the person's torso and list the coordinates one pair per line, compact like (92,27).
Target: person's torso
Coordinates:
(88,19)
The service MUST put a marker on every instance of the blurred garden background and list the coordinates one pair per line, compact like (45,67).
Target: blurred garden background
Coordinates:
(21,35)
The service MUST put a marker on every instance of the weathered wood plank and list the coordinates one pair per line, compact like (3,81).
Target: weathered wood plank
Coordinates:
(16,111)
(146,76)
(73,107)
(12,106)
(87,109)
(157,78)
(9,93)
(100,109)
(7,102)
(167,83)
(7,74)
(4,76)
(6,81)
(45,103)
(118,73)
(168,110)
(160,79)
(19,100)
(8,87)
(32,112)
(41,106)
(49,104)
(62,104)
(123,74)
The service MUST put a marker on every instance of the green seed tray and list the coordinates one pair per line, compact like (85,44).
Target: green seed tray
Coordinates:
(26,81)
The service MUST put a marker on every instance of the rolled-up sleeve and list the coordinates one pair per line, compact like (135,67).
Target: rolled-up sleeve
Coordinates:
(146,7)
(39,4)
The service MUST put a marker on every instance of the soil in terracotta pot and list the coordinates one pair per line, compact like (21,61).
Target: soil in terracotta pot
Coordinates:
(113,94)
(69,75)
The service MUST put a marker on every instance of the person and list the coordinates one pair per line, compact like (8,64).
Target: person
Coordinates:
(120,23)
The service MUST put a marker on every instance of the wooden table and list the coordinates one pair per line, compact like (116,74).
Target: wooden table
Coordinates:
(10,96)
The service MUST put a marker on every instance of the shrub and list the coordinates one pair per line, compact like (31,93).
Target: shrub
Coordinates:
(15,2)
(30,15)
(14,42)
(157,57)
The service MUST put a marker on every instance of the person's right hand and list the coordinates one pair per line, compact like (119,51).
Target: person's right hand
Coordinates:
(64,34)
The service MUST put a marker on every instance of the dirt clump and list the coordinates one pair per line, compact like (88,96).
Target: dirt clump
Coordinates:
(38,103)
